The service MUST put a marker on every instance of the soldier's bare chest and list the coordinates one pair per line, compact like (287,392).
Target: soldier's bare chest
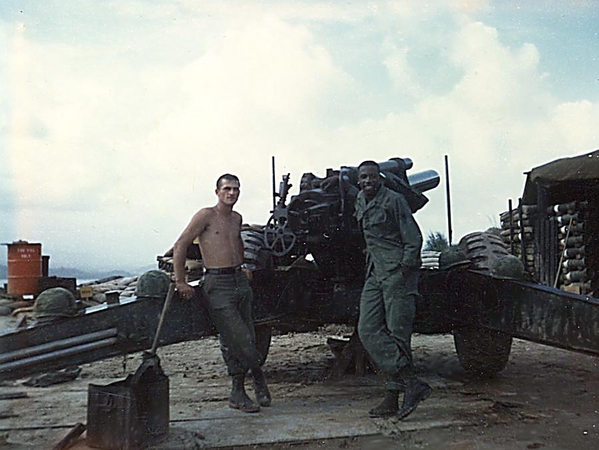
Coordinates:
(223,227)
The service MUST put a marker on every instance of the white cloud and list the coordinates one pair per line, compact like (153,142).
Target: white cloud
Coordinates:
(114,146)
(404,80)
(139,146)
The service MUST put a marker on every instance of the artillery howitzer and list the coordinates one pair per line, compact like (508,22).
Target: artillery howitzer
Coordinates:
(483,306)
(308,267)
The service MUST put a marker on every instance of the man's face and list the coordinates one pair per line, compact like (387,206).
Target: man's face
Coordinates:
(369,180)
(228,192)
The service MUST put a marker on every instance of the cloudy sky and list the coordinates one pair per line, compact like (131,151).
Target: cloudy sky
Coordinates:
(116,117)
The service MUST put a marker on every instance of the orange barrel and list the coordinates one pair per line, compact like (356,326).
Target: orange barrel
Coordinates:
(24,267)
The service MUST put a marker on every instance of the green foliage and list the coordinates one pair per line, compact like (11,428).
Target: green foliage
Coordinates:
(436,242)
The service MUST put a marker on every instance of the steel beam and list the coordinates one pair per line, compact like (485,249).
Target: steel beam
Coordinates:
(528,311)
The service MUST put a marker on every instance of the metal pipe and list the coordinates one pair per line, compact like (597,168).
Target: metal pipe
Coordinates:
(57,345)
(22,363)
(448,197)
(167,302)
(511,217)
(421,181)
(424,181)
(396,165)
(274,191)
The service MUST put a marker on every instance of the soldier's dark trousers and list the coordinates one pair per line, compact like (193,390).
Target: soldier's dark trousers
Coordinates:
(387,308)
(229,300)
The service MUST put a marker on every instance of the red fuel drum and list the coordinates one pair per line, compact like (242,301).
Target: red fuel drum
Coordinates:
(24,267)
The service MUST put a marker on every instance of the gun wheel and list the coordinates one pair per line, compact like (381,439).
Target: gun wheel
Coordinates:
(278,238)
(482,352)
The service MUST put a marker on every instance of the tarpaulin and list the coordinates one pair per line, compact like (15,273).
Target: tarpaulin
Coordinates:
(583,167)
(575,169)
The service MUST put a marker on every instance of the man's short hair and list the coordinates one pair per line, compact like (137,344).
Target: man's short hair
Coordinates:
(369,163)
(226,176)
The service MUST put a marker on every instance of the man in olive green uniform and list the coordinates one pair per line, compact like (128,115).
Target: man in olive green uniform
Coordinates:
(393,243)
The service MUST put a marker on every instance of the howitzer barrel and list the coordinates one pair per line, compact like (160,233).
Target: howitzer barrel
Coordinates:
(424,181)
(421,181)
(396,165)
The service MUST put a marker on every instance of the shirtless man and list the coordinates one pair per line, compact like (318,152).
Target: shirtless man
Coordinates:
(226,289)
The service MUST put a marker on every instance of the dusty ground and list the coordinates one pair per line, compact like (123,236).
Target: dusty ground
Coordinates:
(545,399)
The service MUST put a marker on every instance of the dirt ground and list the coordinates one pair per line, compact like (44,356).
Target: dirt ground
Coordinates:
(545,399)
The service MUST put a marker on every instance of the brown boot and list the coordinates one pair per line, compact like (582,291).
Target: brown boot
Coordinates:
(238,398)
(261,388)
(388,407)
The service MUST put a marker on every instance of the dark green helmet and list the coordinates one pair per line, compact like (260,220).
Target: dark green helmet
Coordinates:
(508,267)
(453,257)
(53,303)
(153,284)
(494,231)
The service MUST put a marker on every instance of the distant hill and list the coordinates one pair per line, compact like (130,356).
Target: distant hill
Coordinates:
(69,272)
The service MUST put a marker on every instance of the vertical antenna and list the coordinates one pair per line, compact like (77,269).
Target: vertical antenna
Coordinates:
(274,192)
(448,198)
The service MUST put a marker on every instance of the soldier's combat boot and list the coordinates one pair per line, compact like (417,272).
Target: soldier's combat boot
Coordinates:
(260,387)
(388,407)
(238,399)
(416,392)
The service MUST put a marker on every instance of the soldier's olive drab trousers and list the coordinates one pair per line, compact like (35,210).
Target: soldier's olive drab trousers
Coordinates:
(229,300)
(387,307)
